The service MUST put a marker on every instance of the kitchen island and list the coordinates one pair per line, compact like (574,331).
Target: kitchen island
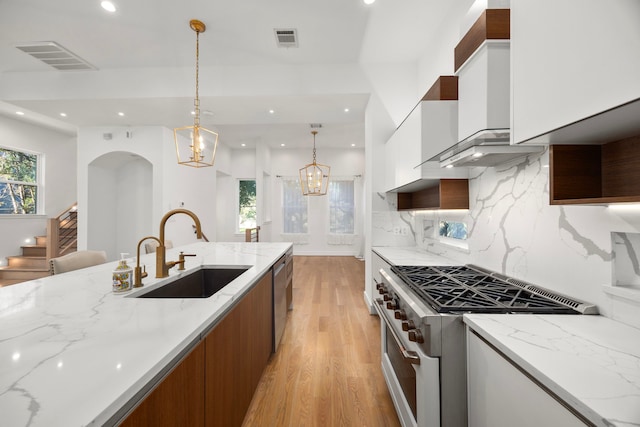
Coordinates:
(74,353)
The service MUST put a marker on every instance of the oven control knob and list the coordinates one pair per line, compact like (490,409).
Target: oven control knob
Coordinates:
(408,325)
(387,297)
(400,314)
(379,286)
(382,290)
(416,336)
(393,304)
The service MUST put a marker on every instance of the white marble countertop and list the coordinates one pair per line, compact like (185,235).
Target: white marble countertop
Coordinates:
(73,353)
(591,362)
(411,255)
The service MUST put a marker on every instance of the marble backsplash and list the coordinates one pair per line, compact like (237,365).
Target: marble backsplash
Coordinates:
(512,229)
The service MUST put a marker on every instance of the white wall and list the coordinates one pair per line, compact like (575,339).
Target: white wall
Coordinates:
(344,163)
(171,186)
(59,152)
(264,188)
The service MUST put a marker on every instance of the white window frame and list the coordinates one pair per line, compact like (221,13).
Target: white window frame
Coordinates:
(237,204)
(38,184)
(330,194)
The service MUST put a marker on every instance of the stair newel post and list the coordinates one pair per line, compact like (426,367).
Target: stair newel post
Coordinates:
(53,237)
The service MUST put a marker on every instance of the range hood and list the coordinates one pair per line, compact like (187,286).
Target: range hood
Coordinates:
(483,64)
(489,147)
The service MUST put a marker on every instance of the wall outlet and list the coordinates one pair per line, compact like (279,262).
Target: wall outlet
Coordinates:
(396,230)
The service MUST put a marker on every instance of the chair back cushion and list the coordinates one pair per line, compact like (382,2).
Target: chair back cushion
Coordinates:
(76,261)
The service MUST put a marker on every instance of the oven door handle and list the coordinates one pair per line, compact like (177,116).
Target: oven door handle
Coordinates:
(410,356)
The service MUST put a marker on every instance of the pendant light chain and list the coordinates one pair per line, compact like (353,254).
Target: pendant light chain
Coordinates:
(196,102)
(314,146)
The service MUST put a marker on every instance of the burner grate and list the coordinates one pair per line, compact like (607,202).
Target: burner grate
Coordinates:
(466,289)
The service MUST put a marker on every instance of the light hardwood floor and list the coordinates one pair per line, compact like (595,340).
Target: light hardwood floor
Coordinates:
(327,369)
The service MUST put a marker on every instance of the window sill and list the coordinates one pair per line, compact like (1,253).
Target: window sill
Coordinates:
(461,245)
(12,216)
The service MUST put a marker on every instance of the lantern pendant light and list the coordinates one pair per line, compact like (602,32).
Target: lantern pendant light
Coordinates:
(314,177)
(196,145)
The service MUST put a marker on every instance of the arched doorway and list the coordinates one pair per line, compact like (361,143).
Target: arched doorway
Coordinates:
(119,204)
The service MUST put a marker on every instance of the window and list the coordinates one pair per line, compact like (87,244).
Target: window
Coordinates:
(454,230)
(294,207)
(246,204)
(18,182)
(341,207)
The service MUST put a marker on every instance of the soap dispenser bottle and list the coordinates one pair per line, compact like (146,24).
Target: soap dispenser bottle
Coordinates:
(122,275)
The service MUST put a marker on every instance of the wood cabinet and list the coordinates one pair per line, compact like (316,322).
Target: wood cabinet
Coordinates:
(572,60)
(214,384)
(178,399)
(237,351)
(595,174)
(442,194)
(502,395)
(289,267)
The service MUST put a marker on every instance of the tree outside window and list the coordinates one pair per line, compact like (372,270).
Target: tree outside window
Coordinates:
(18,182)
(247,204)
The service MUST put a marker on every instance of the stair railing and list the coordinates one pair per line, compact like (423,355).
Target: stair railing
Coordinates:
(252,234)
(62,233)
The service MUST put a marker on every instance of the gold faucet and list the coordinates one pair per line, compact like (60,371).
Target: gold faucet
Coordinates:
(162,266)
(140,273)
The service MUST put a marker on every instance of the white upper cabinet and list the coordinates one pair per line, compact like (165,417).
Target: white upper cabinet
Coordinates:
(573,60)
(484,90)
(430,128)
(482,60)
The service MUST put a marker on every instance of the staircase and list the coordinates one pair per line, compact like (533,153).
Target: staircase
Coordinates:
(61,239)
(32,264)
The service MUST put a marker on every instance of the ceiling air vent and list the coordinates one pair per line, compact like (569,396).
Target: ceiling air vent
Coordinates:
(286,37)
(53,54)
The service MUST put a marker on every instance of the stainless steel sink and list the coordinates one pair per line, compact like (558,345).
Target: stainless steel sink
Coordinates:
(200,284)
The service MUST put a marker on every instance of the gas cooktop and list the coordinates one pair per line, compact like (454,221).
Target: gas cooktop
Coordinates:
(469,288)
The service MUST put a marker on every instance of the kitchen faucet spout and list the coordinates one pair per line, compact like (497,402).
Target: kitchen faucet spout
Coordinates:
(139,273)
(162,267)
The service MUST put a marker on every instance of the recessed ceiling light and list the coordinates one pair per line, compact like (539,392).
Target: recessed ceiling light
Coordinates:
(108,6)
(369,1)
(477,154)
(63,114)
(449,166)
(353,145)
(271,111)
(20,113)
(281,145)
(121,114)
(346,110)
(244,145)
(193,113)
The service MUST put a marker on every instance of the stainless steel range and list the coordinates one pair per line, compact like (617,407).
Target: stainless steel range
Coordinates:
(423,342)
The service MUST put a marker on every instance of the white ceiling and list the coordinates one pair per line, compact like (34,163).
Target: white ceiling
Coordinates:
(147,38)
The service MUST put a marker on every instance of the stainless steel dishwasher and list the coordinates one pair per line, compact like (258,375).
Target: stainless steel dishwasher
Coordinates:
(279,300)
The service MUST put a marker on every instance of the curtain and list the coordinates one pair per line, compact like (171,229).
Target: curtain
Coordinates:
(294,208)
(341,207)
